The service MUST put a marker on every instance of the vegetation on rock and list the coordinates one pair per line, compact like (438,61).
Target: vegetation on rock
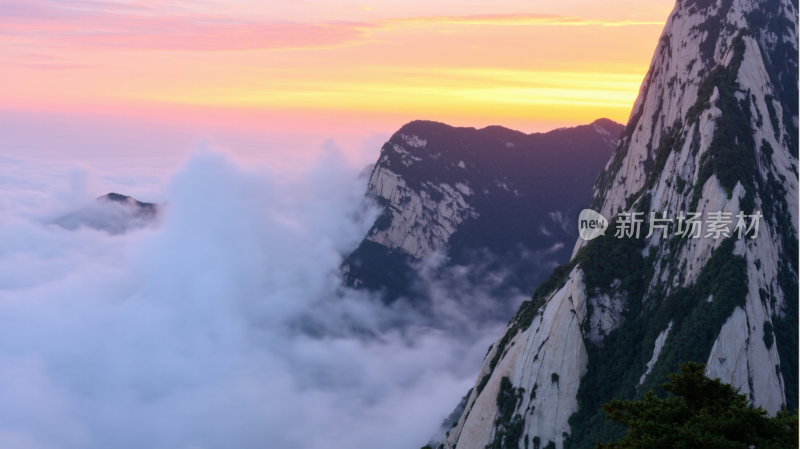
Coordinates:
(699,412)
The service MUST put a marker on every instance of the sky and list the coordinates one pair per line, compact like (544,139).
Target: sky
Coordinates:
(79,77)
(225,322)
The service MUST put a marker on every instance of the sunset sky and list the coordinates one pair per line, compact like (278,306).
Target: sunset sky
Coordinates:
(78,75)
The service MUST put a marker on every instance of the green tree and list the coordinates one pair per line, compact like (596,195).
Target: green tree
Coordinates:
(699,413)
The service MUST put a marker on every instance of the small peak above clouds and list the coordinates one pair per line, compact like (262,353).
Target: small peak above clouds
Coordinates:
(113,213)
(126,200)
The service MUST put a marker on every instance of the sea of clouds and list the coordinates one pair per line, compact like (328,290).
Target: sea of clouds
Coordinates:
(223,325)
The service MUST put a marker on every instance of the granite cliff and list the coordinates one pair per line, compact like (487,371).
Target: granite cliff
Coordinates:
(714,129)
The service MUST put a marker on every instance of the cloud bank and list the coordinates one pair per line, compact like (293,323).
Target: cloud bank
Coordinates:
(225,326)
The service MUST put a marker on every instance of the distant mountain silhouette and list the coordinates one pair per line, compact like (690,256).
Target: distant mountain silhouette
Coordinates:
(493,196)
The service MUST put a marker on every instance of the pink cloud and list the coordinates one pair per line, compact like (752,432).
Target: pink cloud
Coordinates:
(56,66)
(513,19)
(135,26)
(150,26)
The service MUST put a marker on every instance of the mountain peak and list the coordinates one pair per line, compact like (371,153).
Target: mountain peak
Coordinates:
(113,213)
(119,198)
(468,191)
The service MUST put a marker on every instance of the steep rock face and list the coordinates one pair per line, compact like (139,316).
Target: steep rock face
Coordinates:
(488,194)
(714,129)
(540,364)
(419,224)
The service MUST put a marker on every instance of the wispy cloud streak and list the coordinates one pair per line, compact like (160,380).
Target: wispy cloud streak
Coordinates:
(102,24)
(514,19)
(141,25)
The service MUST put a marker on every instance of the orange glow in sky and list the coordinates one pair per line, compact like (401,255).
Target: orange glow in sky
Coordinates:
(370,66)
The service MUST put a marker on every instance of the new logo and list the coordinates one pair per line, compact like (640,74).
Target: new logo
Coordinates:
(591,224)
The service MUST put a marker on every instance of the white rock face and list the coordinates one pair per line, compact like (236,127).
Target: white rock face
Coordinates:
(549,358)
(414,141)
(662,103)
(662,338)
(741,354)
(420,225)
